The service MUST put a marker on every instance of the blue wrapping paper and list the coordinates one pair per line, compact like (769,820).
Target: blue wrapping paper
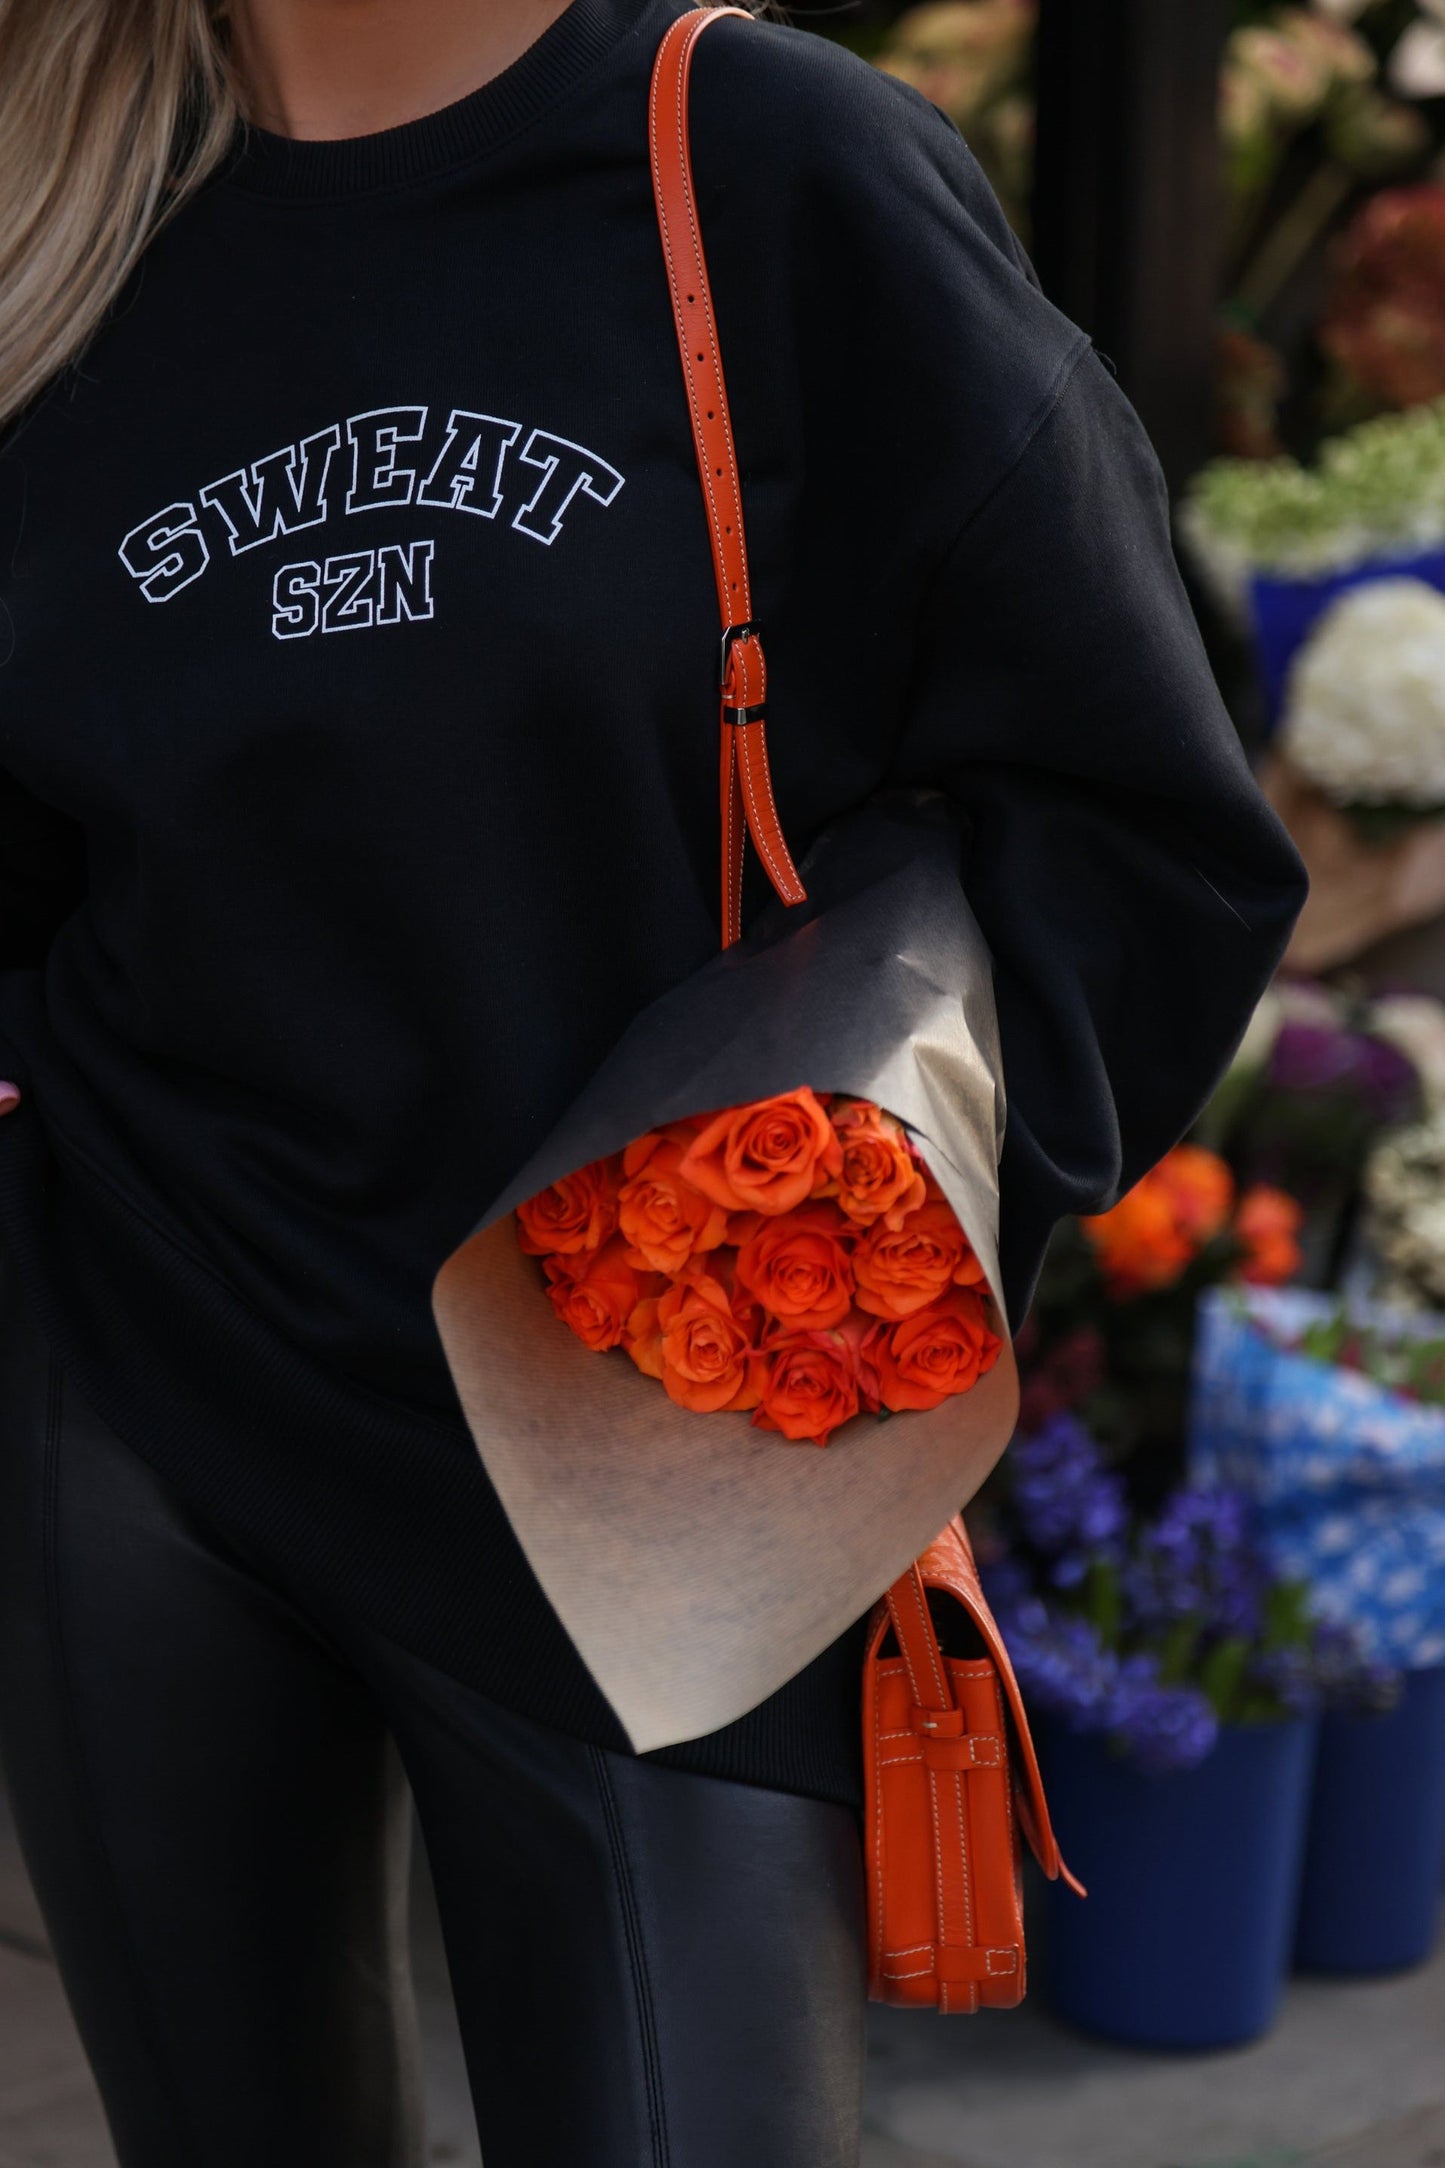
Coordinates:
(1347,1477)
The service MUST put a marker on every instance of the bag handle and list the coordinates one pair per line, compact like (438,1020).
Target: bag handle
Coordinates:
(745,787)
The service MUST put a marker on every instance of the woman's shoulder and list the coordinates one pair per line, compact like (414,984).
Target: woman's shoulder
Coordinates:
(820,124)
(852,203)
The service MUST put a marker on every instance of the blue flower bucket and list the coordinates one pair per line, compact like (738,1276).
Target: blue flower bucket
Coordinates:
(1370,1901)
(1284,610)
(1193,1880)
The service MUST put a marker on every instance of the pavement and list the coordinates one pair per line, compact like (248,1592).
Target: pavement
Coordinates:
(1353,2076)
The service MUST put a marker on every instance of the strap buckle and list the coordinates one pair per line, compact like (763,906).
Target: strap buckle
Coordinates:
(748,630)
(734,711)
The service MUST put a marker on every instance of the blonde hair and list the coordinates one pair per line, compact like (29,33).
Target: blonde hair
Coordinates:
(112,113)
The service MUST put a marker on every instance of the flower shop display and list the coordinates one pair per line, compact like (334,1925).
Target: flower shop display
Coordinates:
(1112,1326)
(1175,1680)
(1405,1192)
(1278,541)
(1193,1881)
(1332,1424)
(793,1258)
(1382,325)
(1375,1855)
(1364,713)
(1315,111)
(1321,1076)
(1331,1418)
(1335,574)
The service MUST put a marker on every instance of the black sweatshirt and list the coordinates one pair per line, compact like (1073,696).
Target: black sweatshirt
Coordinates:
(358,725)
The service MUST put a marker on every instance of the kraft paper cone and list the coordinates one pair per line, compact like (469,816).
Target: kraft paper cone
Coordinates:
(697,1562)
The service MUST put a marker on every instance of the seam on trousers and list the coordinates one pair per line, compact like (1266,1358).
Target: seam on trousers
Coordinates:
(145,2019)
(637,1959)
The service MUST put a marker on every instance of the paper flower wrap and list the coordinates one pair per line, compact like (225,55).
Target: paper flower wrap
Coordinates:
(1347,1477)
(695,1563)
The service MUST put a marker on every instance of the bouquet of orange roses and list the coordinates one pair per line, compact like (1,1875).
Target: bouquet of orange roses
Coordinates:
(793,1257)
(792,1264)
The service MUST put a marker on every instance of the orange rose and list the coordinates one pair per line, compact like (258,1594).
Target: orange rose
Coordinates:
(1161,1224)
(767,1157)
(1267,1224)
(798,1267)
(642,1337)
(1202,1188)
(900,1270)
(880,1178)
(596,1294)
(706,1355)
(925,1359)
(664,1218)
(577,1213)
(812,1385)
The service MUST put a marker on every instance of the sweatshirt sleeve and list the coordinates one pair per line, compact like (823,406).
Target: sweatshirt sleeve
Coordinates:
(42,873)
(1133,886)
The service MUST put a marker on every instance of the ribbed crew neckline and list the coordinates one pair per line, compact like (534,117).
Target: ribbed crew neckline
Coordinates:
(567,49)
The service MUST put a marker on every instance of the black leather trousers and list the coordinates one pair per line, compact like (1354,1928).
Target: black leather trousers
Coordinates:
(652,1969)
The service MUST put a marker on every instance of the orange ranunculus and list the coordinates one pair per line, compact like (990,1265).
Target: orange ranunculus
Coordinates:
(577,1213)
(1162,1223)
(1267,1224)
(923,1360)
(708,1358)
(596,1294)
(880,1177)
(812,1386)
(767,1157)
(798,1269)
(664,1219)
(900,1270)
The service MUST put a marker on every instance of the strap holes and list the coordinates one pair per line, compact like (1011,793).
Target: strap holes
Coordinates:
(700,354)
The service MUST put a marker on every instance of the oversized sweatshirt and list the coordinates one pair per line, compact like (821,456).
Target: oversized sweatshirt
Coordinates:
(358,714)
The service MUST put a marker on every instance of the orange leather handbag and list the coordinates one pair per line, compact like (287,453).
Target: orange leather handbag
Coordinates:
(950,1772)
(951,1783)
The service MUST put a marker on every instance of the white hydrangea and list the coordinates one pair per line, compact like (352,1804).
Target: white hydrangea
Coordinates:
(1405,1189)
(1365,706)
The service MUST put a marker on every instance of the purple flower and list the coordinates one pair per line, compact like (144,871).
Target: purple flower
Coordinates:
(1198,1561)
(1389,1081)
(1066,1501)
(1321,1058)
(1063,1668)
(1161,1727)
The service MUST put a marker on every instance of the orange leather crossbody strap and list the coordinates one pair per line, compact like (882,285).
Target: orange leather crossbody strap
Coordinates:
(745,786)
